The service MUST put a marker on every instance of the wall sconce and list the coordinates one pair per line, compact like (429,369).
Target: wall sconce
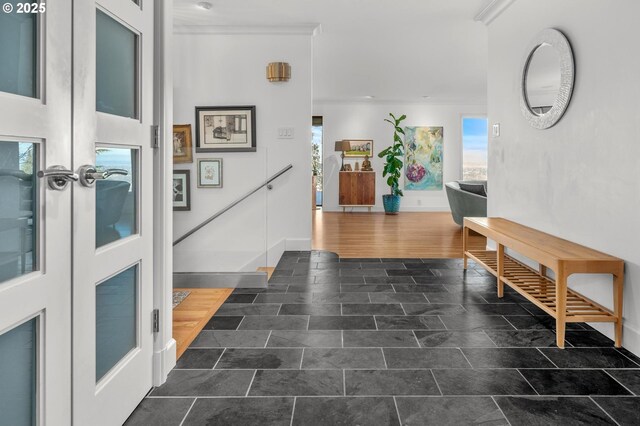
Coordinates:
(278,71)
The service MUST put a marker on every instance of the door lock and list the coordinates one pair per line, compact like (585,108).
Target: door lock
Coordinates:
(89,174)
(58,177)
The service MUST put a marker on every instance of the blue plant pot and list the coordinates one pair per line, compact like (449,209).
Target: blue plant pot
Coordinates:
(391,203)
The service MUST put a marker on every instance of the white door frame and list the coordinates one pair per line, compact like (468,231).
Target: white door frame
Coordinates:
(164,351)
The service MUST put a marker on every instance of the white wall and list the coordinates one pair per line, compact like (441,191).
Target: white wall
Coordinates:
(579,179)
(225,70)
(366,121)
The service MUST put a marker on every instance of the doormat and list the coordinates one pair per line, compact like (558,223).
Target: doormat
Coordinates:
(179,296)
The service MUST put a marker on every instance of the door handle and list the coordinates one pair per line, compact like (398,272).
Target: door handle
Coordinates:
(58,177)
(89,175)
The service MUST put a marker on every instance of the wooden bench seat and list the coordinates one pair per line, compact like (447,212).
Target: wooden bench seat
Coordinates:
(562,257)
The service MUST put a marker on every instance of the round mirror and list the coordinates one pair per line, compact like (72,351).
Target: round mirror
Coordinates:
(547,79)
(543,79)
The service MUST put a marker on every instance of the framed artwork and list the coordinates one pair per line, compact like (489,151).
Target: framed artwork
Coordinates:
(359,148)
(181,190)
(210,173)
(226,129)
(182,148)
(423,158)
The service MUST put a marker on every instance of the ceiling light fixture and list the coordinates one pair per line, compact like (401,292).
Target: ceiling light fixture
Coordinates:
(425,96)
(205,5)
(369,97)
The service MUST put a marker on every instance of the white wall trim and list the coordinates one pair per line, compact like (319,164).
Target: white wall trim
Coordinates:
(298,244)
(274,253)
(164,346)
(163,362)
(380,209)
(492,11)
(410,209)
(302,29)
(320,102)
(271,257)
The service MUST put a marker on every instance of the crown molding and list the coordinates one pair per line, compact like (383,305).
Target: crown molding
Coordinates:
(492,11)
(466,102)
(303,29)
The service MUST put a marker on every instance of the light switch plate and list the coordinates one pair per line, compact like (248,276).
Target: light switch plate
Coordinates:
(496,130)
(285,133)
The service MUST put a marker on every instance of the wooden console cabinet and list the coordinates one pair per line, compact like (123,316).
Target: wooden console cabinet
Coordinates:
(357,189)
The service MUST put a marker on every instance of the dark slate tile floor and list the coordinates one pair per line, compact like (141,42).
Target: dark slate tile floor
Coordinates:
(387,342)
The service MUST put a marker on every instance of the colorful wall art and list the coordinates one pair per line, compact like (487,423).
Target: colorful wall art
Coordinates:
(423,159)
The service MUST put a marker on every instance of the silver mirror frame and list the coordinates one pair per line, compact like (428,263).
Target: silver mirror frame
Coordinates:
(560,43)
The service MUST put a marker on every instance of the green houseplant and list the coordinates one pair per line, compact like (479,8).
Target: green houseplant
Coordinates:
(392,170)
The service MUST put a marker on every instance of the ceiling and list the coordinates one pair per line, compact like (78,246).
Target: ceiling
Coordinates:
(393,50)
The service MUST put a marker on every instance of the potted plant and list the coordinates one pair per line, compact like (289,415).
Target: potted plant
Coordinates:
(392,170)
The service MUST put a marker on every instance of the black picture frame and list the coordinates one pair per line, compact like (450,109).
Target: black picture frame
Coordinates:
(232,128)
(183,204)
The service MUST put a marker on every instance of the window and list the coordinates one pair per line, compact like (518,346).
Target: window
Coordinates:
(475,142)
(316,164)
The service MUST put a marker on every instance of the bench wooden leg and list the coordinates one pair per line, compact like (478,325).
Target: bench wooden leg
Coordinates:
(561,307)
(542,269)
(465,240)
(500,259)
(618,288)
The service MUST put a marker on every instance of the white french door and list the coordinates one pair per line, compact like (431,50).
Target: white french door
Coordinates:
(76,220)
(35,219)
(112,209)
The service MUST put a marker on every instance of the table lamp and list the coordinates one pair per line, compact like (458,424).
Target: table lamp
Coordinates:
(342,146)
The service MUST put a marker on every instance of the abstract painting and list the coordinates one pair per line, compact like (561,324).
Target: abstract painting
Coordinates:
(423,158)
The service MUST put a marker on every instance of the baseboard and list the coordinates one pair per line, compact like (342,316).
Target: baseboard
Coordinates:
(297,244)
(163,362)
(380,209)
(274,253)
(630,336)
(421,209)
(219,280)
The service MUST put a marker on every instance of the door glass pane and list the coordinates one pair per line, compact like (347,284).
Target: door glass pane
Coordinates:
(18,50)
(116,195)
(18,208)
(116,323)
(116,67)
(18,375)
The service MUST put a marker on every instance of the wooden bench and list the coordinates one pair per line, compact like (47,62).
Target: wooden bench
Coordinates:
(562,257)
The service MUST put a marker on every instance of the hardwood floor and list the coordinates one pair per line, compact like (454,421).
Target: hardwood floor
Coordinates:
(190,316)
(406,235)
(268,269)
